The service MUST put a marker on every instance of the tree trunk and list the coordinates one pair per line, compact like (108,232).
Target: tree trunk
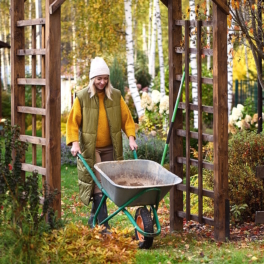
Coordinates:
(229,77)
(153,42)
(130,59)
(149,29)
(230,47)
(208,34)
(193,64)
(144,48)
(39,30)
(73,42)
(161,60)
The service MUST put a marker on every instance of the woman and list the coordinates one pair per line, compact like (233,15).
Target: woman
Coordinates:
(94,130)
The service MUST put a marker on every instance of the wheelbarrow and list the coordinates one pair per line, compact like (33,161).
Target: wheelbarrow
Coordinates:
(130,183)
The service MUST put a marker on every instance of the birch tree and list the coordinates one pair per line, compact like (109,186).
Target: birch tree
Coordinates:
(149,28)
(230,47)
(153,42)
(160,48)
(130,58)
(193,64)
(38,9)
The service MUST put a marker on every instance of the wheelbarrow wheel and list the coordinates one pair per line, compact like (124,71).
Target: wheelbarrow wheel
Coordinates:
(144,221)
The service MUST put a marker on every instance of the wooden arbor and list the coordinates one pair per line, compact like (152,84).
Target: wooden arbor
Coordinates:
(50,109)
(220,118)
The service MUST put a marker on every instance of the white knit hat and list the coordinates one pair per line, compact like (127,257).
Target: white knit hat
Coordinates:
(98,67)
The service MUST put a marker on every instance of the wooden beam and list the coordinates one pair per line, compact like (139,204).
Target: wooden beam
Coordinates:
(193,23)
(205,220)
(55,5)
(193,78)
(194,162)
(31,168)
(31,110)
(205,108)
(24,52)
(30,81)
(165,2)
(176,142)
(33,140)
(206,193)
(4,45)
(31,22)
(18,68)
(205,137)
(187,120)
(259,217)
(220,122)
(53,101)
(200,121)
(222,5)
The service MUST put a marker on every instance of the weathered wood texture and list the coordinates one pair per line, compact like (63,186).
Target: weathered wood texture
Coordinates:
(34,92)
(187,119)
(176,142)
(53,101)
(18,67)
(220,121)
(55,6)
(259,217)
(200,122)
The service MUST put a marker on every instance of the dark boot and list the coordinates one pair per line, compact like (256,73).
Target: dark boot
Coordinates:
(103,212)
(91,218)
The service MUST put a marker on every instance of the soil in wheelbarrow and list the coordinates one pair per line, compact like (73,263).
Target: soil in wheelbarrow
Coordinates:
(139,179)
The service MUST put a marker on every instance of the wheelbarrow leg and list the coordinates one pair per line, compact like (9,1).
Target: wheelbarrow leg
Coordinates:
(91,218)
(102,214)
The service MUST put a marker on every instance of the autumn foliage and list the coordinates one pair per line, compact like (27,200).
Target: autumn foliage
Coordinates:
(77,243)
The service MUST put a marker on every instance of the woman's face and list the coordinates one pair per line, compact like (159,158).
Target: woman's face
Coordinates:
(100,82)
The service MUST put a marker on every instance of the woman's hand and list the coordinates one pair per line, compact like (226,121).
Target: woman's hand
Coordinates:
(132,143)
(75,148)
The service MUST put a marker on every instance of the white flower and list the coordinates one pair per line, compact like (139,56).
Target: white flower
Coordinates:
(164,105)
(231,120)
(240,107)
(248,118)
(146,101)
(236,113)
(150,107)
(238,124)
(155,96)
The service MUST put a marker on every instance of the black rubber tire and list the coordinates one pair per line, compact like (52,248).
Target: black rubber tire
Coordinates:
(144,215)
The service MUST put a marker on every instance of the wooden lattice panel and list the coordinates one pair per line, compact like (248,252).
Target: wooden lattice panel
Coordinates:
(220,119)
(49,142)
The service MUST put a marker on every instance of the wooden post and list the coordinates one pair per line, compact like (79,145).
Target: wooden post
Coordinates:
(176,144)
(18,68)
(220,121)
(53,102)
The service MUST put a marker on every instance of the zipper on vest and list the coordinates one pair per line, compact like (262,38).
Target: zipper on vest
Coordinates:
(110,129)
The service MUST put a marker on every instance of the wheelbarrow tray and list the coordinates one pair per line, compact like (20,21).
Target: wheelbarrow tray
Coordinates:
(123,180)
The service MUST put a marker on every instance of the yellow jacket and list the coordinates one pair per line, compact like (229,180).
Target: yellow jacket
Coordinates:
(103,132)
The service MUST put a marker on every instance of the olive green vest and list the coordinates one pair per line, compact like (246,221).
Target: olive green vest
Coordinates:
(88,133)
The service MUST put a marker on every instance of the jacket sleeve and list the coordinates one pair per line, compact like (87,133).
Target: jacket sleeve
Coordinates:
(73,123)
(128,125)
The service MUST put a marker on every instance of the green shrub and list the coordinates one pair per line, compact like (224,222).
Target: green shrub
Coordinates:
(22,218)
(117,76)
(245,153)
(149,148)
(6,104)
